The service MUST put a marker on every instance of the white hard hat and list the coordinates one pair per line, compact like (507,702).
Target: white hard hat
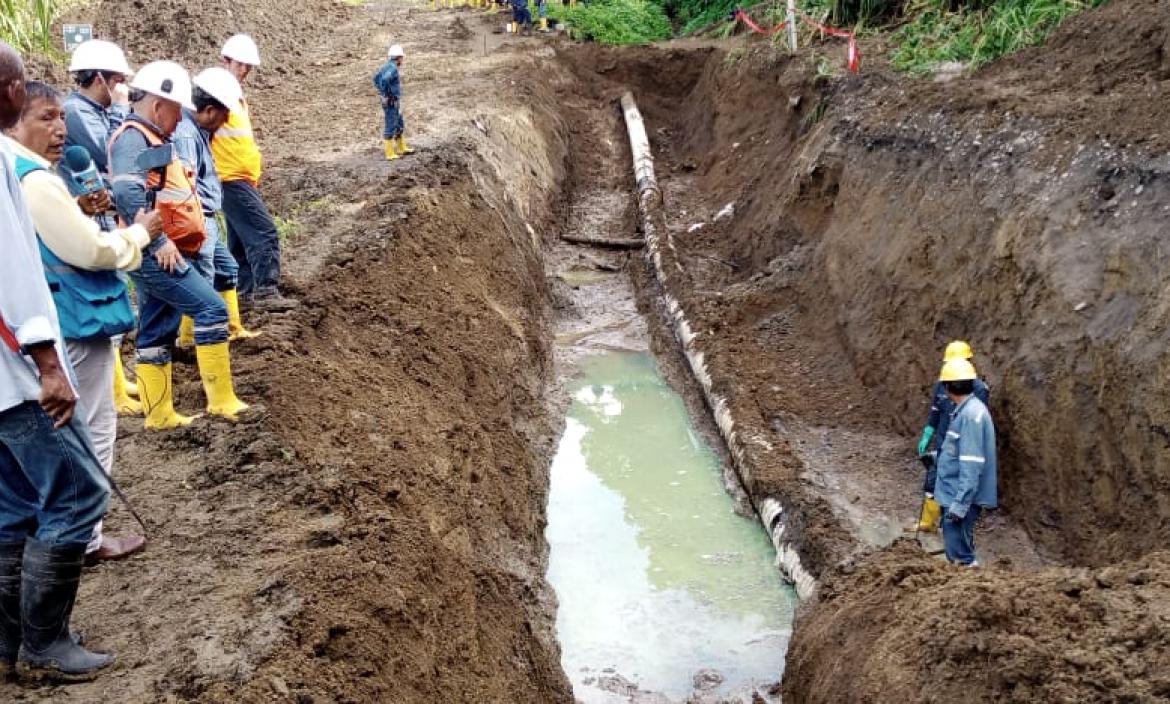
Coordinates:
(396,51)
(99,55)
(165,79)
(241,48)
(220,84)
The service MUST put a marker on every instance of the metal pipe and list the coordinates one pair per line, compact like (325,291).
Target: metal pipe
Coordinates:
(662,257)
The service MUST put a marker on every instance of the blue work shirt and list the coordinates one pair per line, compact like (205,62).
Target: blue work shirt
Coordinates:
(966,461)
(941,407)
(90,125)
(127,180)
(193,147)
(386,80)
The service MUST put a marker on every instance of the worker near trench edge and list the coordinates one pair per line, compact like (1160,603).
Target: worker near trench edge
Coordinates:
(52,488)
(167,284)
(82,264)
(93,110)
(215,93)
(966,482)
(936,427)
(252,236)
(389,84)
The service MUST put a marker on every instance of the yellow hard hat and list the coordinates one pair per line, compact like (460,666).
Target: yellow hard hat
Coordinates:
(958,350)
(957,370)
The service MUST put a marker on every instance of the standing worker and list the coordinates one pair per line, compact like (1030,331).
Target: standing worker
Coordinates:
(521,17)
(81,264)
(215,94)
(389,84)
(252,236)
(93,111)
(52,490)
(166,283)
(966,481)
(936,427)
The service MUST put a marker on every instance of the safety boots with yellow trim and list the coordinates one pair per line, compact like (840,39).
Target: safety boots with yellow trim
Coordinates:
(124,391)
(158,400)
(236,329)
(215,368)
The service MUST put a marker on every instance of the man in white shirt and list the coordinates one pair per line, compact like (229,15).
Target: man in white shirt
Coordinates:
(52,489)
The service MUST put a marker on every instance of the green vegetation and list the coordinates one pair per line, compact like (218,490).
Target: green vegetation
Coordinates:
(28,24)
(287,228)
(976,34)
(618,21)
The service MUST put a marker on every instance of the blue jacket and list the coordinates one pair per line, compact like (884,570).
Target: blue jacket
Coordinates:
(941,407)
(193,146)
(386,80)
(90,125)
(90,304)
(967,470)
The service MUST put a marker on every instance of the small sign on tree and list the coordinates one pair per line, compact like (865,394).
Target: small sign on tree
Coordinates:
(75,34)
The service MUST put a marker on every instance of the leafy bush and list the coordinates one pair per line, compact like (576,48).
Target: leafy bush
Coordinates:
(28,24)
(618,21)
(978,35)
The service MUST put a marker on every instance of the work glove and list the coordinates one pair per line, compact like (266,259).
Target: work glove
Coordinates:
(924,442)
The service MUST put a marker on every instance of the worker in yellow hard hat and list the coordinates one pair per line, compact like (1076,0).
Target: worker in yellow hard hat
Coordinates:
(966,462)
(936,426)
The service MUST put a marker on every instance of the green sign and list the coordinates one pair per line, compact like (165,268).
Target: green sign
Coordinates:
(76,34)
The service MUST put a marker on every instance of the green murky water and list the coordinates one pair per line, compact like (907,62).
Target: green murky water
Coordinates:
(664,591)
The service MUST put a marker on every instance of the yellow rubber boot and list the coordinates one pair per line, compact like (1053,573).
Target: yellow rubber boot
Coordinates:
(544,24)
(123,402)
(215,367)
(186,332)
(391,155)
(931,513)
(157,394)
(236,329)
(403,147)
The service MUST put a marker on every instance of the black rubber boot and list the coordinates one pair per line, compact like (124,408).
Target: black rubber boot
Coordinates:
(11,556)
(51,576)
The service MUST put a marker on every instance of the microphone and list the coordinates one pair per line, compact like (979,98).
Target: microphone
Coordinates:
(83,174)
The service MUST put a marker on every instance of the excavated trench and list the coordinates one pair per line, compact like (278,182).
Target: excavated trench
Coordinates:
(460,390)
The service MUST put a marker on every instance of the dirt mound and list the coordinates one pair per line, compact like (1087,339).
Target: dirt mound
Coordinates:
(1103,75)
(192,33)
(900,627)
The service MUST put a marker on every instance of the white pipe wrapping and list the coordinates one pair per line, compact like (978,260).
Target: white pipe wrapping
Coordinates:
(662,257)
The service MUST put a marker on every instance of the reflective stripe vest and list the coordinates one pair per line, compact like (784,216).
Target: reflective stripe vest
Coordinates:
(90,304)
(234,149)
(178,201)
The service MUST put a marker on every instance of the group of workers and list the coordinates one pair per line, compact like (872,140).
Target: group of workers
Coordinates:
(521,14)
(958,448)
(132,173)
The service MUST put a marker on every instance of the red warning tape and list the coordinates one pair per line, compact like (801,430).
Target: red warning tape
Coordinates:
(854,54)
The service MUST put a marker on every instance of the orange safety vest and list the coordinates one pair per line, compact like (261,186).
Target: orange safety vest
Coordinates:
(178,201)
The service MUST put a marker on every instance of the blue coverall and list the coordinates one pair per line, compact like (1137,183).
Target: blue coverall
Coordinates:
(941,408)
(967,476)
(390,89)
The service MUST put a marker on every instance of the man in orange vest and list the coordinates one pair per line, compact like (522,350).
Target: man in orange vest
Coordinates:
(252,235)
(167,285)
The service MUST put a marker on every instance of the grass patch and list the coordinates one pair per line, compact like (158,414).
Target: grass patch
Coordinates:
(28,24)
(936,34)
(618,21)
(287,228)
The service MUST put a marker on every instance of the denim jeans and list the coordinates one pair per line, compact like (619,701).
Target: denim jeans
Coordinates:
(959,538)
(51,486)
(164,298)
(215,263)
(392,119)
(252,239)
